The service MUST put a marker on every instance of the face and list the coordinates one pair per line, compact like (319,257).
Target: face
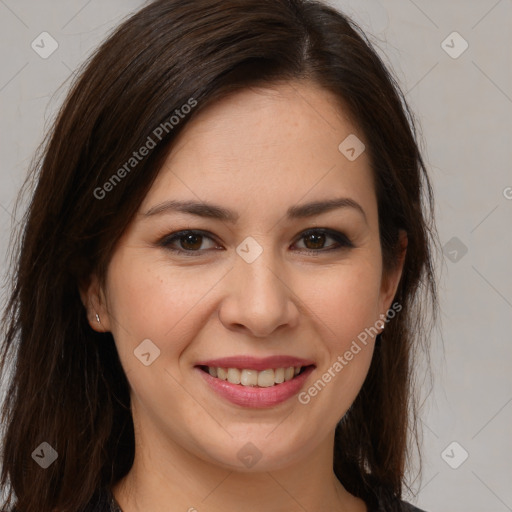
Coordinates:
(270,284)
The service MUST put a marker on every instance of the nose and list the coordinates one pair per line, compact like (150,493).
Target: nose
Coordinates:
(258,299)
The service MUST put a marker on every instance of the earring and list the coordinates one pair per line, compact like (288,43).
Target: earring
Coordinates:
(98,318)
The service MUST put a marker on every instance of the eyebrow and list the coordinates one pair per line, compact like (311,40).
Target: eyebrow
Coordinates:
(212,211)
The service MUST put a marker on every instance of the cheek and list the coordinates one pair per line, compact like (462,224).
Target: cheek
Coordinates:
(345,310)
(152,300)
(348,300)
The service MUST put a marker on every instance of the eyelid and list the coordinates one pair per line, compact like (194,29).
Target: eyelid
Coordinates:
(339,236)
(343,241)
(166,241)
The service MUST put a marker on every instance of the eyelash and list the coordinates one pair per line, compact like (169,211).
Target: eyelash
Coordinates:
(343,241)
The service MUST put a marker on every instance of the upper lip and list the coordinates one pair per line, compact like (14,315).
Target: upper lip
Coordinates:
(256,363)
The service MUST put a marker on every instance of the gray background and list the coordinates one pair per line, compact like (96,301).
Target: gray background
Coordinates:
(464,105)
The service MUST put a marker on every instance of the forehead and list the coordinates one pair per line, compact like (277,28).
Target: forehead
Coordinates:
(277,145)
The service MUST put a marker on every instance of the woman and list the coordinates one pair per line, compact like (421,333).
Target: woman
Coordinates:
(217,299)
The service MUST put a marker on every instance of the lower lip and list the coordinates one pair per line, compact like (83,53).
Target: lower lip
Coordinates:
(249,396)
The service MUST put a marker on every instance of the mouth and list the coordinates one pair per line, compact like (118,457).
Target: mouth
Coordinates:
(249,377)
(254,382)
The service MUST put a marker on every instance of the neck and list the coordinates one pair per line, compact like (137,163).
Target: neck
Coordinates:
(165,477)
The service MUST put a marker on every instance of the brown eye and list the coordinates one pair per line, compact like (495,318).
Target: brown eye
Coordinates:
(185,242)
(316,238)
(191,241)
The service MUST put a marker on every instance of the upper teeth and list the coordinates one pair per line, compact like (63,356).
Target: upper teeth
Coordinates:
(264,379)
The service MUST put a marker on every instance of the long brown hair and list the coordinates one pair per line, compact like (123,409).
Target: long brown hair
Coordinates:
(67,387)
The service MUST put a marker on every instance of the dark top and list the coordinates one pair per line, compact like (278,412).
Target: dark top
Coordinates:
(105,502)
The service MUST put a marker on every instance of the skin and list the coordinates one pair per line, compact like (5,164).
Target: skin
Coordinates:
(216,304)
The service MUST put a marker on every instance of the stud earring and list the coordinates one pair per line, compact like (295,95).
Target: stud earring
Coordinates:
(98,318)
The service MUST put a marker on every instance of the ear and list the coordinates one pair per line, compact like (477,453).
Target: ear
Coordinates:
(391,279)
(94,302)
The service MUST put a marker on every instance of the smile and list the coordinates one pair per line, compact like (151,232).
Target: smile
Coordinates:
(254,388)
(254,378)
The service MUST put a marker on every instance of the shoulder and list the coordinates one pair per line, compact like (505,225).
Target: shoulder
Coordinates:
(407,507)
(100,502)
(395,506)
